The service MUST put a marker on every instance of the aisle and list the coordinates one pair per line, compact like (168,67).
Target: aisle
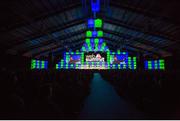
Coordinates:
(104,103)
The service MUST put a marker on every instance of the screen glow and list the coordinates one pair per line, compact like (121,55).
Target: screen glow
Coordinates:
(155,64)
(39,64)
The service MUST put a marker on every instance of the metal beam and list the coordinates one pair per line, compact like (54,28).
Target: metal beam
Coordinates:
(51,49)
(109,44)
(57,51)
(132,27)
(44,16)
(79,47)
(106,31)
(117,43)
(134,9)
(126,36)
(55,29)
(70,35)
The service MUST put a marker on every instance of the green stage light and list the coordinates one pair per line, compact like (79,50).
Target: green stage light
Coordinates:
(32,67)
(118,66)
(83,48)
(42,65)
(129,62)
(104,44)
(76,66)
(124,66)
(162,67)
(90,49)
(77,52)
(82,58)
(114,66)
(100,33)
(56,66)
(98,23)
(33,61)
(96,40)
(161,61)
(102,48)
(42,62)
(149,65)
(87,40)
(88,33)
(66,66)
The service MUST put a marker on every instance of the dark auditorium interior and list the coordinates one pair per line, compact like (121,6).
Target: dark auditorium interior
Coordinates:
(89,59)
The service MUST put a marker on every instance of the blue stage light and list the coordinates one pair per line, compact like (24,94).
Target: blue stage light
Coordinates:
(95,6)
(94,33)
(90,23)
(100,41)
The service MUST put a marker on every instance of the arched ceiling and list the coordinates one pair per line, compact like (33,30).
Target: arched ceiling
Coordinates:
(33,28)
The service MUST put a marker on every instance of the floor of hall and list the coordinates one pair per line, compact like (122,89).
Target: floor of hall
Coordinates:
(104,103)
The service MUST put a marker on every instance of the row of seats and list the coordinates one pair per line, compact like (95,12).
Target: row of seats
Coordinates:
(151,91)
(44,93)
(61,94)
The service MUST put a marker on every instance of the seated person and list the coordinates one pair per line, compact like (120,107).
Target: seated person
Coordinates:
(116,61)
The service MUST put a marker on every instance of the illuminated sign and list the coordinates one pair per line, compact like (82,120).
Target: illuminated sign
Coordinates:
(95,57)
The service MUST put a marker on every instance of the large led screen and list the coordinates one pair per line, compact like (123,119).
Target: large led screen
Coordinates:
(118,59)
(75,59)
(95,57)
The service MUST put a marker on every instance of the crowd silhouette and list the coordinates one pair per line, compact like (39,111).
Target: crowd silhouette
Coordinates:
(60,93)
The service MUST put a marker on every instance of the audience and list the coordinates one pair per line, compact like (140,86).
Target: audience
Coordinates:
(41,93)
(61,93)
(151,91)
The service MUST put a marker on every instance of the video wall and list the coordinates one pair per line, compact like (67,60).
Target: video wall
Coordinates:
(94,45)
(95,57)
(39,64)
(97,60)
(154,64)
(95,54)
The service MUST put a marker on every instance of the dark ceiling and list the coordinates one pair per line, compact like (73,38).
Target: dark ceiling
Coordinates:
(33,28)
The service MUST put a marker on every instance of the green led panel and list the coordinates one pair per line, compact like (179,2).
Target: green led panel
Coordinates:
(87,40)
(98,23)
(56,66)
(96,40)
(88,33)
(100,33)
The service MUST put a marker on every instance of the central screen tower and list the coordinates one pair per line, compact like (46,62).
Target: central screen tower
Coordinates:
(94,53)
(94,47)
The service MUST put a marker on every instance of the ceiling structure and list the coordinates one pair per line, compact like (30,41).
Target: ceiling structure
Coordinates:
(34,28)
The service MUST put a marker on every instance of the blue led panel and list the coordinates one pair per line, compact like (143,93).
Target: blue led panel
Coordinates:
(95,5)
(39,64)
(154,64)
